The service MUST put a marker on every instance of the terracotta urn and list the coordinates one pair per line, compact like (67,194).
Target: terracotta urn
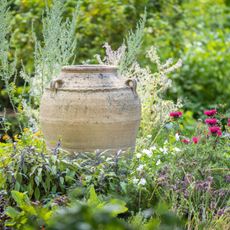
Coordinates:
(90,107)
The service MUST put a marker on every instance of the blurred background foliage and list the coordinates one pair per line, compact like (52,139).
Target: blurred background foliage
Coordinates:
(198,31)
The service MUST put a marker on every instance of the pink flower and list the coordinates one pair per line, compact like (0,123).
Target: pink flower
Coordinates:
(219,133)
(215,130)
(211,112)
(175,114)
(195,140)
(211,121)
(186,141)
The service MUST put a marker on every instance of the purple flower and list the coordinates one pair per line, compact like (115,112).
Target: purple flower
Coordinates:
(227,178)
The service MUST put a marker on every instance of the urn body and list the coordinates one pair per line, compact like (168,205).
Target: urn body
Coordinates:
(90,107)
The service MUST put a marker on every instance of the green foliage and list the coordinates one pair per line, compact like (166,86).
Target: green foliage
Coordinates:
(94,214)
(82,216)
(29,216)
(51,52)
(56,49)
(192,179)
(197,31)
(7,66)
(56,190)
(114,206)
(31,170)
(133,43)
(163,219)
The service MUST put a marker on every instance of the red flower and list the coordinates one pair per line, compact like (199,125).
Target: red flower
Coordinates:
(228,121)
(186,141)
(195,140)
(215,130)
(211,121)
(175,114)
(210,112)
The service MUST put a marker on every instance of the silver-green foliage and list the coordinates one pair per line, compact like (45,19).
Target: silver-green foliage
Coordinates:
(5,70)
(133,45)
(56,49)
(7,67)
(126,54)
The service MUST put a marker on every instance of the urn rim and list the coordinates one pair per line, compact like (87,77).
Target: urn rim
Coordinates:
(89,68)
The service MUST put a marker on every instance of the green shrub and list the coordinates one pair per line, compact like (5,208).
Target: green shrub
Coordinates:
(197,32)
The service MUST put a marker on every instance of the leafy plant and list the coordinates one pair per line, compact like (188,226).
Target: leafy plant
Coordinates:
(29,216)
(7,66)
(33,171)
(56,49)
(95,214)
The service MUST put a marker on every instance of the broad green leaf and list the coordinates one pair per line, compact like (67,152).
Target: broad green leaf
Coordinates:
(17,186)
(37,180)
(37,193)
(54,189)
(47,182)
(93,199)
(19,178)
(20,198)
(115,207)
(61,180)
(33,169)
(12,212)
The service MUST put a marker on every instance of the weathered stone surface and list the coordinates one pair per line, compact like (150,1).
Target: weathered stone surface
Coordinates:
(90,107)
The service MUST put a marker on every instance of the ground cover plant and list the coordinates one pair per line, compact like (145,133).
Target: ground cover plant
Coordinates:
(189,174)
(178,177)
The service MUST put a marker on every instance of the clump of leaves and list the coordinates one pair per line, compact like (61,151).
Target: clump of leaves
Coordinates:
(26,215)
(93,213)
(36,172)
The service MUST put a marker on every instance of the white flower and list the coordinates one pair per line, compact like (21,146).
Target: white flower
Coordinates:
(135,180)
(140,168)
(177,149)
(153,148)
(142,181)
(164,150)
(138,155)
(147,152)
(158,162)
(149,136)
(177,136)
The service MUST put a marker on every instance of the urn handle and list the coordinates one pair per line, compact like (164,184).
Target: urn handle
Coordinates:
(132,83)
(56,83)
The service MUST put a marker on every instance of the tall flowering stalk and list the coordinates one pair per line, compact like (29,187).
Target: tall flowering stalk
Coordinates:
(214,130)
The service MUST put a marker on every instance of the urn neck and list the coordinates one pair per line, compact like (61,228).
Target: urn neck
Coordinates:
(89,77)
